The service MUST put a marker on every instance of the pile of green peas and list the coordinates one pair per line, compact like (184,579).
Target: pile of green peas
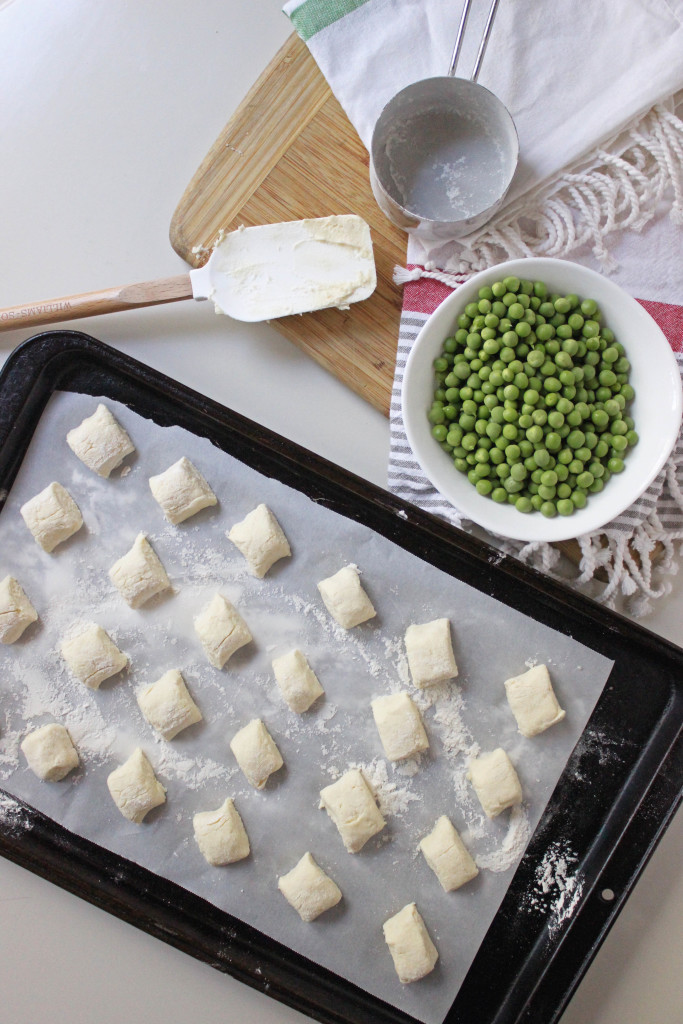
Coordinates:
(531,398)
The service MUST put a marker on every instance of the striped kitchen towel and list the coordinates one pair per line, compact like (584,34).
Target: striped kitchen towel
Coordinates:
(623,550)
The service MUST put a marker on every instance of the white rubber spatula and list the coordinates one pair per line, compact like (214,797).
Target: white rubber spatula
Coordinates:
(257,273)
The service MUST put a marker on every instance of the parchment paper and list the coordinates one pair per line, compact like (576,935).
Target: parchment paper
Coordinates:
(491,642)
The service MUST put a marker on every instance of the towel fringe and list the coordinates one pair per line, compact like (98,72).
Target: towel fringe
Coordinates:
(607,192)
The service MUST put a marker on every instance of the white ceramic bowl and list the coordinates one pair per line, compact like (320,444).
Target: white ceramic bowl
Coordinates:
(656,408)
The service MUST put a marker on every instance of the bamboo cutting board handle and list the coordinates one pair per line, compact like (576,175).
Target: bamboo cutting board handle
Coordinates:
(112,300)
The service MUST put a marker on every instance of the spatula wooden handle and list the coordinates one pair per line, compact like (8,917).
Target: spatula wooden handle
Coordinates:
(112,300)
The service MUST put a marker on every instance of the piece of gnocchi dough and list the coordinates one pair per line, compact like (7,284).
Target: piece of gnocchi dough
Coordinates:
(93,656)
(298,682)
(167,705)
(135,788)
(399,724)
(533,701)
(50,753)
(308,889)
(139,575)
(52,516)
(430,652)
(447,855)
(412,950)
(16,611)
(495,782)
(351,806)
(100,442)
(345,599)
(260,539)
(181,491)
(221,835)
(221,630)
(256,753)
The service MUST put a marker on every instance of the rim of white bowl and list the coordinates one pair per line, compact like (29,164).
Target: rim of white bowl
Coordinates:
(505,520)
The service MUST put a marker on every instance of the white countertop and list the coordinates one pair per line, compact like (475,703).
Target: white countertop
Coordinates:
(107,110)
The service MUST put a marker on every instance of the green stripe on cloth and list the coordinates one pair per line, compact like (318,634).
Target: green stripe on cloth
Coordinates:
(313,15)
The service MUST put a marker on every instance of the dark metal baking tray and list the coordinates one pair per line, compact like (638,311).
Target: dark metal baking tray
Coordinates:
(611,810)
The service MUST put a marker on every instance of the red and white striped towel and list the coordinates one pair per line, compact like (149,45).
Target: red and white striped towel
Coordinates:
(656,518)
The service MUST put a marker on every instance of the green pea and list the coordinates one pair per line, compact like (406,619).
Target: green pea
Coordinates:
(532,388)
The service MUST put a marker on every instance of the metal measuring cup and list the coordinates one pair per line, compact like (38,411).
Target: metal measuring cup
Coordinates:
(444,150)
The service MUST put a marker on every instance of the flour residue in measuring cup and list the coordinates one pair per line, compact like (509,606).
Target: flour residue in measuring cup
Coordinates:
(445,165)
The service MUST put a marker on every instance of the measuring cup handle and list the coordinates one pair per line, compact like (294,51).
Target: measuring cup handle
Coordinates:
(459,38)
(482,45)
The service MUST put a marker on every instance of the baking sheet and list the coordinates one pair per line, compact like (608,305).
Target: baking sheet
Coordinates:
(492,642)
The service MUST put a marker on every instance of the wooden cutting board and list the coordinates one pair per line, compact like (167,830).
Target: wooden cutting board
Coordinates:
(289,152)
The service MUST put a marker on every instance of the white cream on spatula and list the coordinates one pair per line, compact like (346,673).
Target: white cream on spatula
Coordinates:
(274,270)
(258,273)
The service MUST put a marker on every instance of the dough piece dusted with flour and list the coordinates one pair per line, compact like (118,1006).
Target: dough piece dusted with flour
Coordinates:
(167,705)
(399,724)
(50,753)
(221,630)
(139,575)
(447,855)
(430,652)
(297,680)
(134,787)
(351,805)
(495,782)
(345,599)
(52,516)
(308,889)
(93,656)
(16,611)
(100,442)
(221,835)
(413,952)
(533,701)
(261,540)
(181,491)
(256,753)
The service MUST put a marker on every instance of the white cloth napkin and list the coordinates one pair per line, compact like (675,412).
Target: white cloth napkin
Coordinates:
(571,75)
